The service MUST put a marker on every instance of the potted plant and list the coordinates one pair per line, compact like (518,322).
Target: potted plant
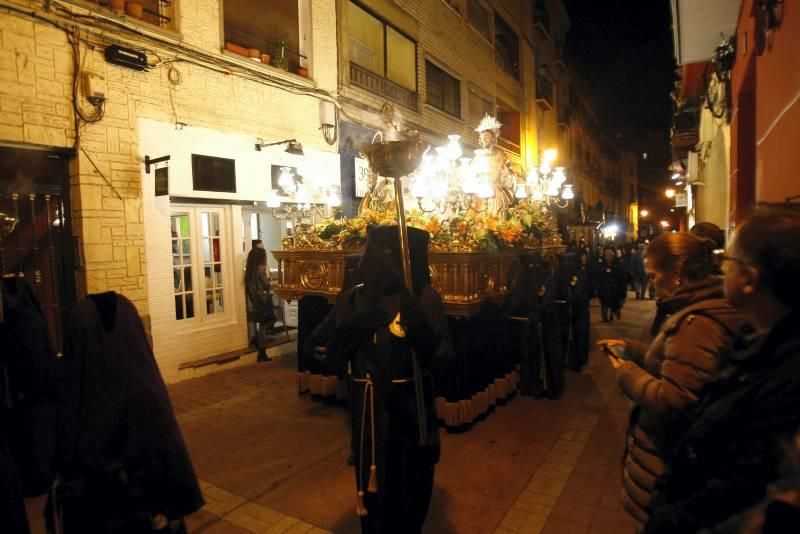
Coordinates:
(279,57)
(118,6)
(134,9)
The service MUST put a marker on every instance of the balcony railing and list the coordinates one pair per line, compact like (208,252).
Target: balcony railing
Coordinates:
(506,144)
(563,115)
(365,79)
(541,20)
(685,128)
(544,92)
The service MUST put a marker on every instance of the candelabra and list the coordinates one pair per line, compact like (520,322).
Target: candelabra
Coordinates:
(304,201)
(449,183)
(546,183)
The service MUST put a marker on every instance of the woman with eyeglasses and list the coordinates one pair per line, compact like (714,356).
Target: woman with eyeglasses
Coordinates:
(735,444)
(665,379)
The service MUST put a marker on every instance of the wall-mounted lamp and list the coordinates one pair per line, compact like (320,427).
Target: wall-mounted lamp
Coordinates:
(292,146)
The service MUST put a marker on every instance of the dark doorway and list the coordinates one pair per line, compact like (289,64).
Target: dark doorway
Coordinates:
(34,190)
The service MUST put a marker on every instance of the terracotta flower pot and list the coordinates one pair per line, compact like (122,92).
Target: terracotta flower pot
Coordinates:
(236,49)
(302,71)
(134,9)
(266,58)
(117,6)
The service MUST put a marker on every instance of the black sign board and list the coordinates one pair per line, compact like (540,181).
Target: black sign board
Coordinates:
(162,181)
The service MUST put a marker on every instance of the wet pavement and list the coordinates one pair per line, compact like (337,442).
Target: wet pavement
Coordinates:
(270,460)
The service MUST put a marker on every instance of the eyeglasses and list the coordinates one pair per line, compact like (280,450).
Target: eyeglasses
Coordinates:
(731,259)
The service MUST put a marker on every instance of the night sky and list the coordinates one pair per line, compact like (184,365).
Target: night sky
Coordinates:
(623,49)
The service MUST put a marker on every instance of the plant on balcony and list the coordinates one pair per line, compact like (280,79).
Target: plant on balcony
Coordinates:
(279,53)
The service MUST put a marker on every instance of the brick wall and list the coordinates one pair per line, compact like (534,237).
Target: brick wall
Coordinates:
(106,180)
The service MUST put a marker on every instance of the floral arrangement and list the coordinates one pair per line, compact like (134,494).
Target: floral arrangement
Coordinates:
(525,225)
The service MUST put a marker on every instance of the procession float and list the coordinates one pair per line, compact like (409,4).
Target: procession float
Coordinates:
(481,215)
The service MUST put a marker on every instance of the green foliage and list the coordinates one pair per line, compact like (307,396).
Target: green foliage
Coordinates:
(280,53)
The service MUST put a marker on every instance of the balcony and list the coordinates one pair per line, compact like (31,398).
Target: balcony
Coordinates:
(558,50)
(508,145)
(685,128)
(563,116)
(366,79)
(544,92)
(541,20)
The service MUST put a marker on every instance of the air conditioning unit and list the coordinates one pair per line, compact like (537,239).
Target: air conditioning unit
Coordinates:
(693,168)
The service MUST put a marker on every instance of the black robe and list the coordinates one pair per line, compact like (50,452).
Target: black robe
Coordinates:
(27,405)
(536,328)
(609,279)
(574,288)
(384,408)
(121,455)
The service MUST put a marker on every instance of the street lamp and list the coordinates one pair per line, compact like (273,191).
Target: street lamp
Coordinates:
(644,213)
(670,193)
(665,224)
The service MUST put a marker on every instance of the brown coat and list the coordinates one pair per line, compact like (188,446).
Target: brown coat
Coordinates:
(667,378)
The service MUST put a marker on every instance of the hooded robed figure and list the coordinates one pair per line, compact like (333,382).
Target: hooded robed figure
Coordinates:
(27,406)
(574,287)
(394,466)
(541,353)
(122,462)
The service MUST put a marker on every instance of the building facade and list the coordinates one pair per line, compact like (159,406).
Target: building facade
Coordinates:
(739,114)
(443,65)
(189,82)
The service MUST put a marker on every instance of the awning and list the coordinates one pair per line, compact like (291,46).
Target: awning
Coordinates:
(697,25)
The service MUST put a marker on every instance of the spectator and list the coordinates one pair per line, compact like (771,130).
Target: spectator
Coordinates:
(608,279)
(667,378)
(638,272)
(259,299)
(733,448)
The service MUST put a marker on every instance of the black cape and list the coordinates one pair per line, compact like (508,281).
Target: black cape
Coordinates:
(121,452)
(27,403)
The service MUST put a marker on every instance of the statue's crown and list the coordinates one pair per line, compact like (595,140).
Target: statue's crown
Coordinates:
(489,123)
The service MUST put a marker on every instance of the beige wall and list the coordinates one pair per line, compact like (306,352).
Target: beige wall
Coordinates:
(107,201)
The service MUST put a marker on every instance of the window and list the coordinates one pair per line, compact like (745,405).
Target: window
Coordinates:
(506,47)
(510,132)
(381,49)
(478,108)
(213,174)
(444,91)
(253,29)
(159,13)
(479,18)
(198,270)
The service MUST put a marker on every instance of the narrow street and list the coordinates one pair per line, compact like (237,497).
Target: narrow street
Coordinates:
(272,461)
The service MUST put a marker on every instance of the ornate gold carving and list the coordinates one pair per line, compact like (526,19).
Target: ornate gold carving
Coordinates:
(313,275)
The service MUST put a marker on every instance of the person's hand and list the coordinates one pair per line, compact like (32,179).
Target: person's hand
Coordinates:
(616,363)
(615,346)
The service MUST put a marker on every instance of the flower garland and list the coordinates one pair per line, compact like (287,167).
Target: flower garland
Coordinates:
(526,225)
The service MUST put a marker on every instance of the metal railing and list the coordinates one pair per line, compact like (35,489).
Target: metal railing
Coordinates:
(365,79)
